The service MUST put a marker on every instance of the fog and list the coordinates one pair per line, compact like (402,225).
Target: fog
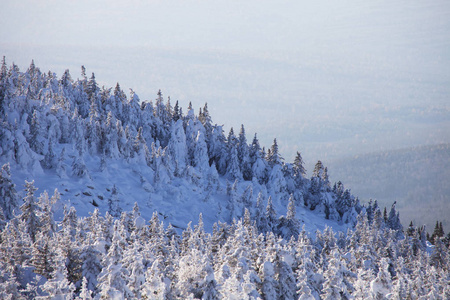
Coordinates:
(327,78)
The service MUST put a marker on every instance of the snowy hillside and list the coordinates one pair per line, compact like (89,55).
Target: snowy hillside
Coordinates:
(99,191)
(100,148)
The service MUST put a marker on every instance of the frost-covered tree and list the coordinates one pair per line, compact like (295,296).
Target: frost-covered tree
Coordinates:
(30,211)
(85,293)
(244,155)
(270,214)
(233,171)
(50,157)
(48,225)
(114,203)
(113,278)
(289,225)
(42,256)
(305,271)
(232,200)
(382,284)
(9,287)
(217,149)
(335,286)
(439,257)
(393,221)
(273,156)
(92,88)
(133,262)
(269,285)
(155,285)
(200,158)
(91,263)
(79,168)
(8,194)
(258,162)
(177,147)
(298,168)
(59,287)
(36,136)
(24,156)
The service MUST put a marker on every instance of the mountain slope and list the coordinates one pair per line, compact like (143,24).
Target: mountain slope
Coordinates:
(100,148)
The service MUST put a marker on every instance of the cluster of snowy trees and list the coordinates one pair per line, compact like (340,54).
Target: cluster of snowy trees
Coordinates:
(47,122)
(39,113)
(100,257)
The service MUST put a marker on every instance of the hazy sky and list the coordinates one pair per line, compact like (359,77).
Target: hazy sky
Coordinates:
(328,78)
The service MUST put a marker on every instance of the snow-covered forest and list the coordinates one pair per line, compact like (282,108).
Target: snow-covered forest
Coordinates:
(106,196)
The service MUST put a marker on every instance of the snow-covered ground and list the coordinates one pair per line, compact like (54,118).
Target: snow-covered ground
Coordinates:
(178,202)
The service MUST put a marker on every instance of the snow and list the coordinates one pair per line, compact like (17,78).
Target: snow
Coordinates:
(138,184)
(178,202)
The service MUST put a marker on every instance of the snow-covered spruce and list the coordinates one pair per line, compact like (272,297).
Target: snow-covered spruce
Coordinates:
(103,258)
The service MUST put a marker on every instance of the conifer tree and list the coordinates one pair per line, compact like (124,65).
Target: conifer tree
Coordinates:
(271,215)
(438,232)
(36,143)
(30,211)
(232,200)
(218,150)
(200,159)
(91,88)
(91,264)
(274,157)
(243,155)
(233,170)
(9,287)
(393,221)
(289,226)
(113,203)
(8,194)
(42,256)
(318,170)
(133,262)
(382,284)
(439,257)
(59,287)
(298,168)
(50,158)
(177,147)
(85,293)
(113,278)
(269,286)
(334,286)
(176,112)
(48,225)
(3,74)
(258,162)
(154,286)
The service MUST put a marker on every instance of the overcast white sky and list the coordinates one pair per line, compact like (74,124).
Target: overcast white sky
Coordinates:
(328,78)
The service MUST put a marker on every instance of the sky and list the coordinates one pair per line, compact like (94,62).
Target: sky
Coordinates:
(326,78)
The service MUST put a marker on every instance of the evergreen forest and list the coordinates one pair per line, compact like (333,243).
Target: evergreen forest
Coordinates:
(107,196)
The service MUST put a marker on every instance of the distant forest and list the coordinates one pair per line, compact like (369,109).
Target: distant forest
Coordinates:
(416,178)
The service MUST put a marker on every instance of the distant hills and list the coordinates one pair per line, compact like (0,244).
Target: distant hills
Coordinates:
(417,178)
